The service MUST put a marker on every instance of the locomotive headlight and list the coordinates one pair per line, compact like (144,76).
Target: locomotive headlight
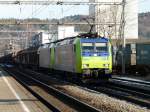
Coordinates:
(106,65)
(85,65)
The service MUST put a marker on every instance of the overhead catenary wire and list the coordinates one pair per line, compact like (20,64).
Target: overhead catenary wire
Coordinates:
(73,6)
(52,2)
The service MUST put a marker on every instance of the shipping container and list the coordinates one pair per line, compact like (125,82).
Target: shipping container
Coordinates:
(136,58)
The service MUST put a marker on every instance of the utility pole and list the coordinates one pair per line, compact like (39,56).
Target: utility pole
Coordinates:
(123,36)
(26,44)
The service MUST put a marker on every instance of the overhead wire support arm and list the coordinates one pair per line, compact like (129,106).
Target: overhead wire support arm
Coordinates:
(51,2)
(48,23)
(17,31)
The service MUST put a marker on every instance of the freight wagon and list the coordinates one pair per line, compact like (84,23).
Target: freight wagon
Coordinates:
(7,59)
(137,58)
(27,58)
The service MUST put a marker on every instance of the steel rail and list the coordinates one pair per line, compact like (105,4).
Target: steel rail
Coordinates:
(130,80)
(139,87)
(122,95)
(116,91)
(51,107)
(79,105)
(128,90)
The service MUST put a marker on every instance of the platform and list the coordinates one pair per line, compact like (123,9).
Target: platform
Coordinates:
(15,98)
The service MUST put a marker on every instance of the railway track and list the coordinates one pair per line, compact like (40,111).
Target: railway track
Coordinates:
(124,91)
(127,94)
(72,103)
(135,87)
(117,90)
(129,80)
(135,91)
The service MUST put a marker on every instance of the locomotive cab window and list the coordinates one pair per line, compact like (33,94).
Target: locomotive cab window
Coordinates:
(87,47)
(94,47)
(101,47)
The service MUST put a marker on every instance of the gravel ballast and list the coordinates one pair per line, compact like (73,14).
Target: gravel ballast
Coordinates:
(98,100)
(101,101)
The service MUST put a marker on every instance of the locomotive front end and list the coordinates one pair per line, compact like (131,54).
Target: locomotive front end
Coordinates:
(96,58)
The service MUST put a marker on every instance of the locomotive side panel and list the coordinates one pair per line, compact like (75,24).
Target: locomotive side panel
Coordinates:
(44,57)
(64,58)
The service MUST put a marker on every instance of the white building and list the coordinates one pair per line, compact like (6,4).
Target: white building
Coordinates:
(111,14)
(66,31)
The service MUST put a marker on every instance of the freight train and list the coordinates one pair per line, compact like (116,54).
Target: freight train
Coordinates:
(8,59)
(136,59)
(82,57)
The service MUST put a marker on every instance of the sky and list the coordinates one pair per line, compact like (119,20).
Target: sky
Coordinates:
(144,6)
(43,12)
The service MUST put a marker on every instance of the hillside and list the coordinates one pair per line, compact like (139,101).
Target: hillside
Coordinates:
(144,25)
(144,28)
(20,37)
(75,19)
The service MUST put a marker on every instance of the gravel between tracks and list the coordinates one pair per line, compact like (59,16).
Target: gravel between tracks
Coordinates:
(101,101)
